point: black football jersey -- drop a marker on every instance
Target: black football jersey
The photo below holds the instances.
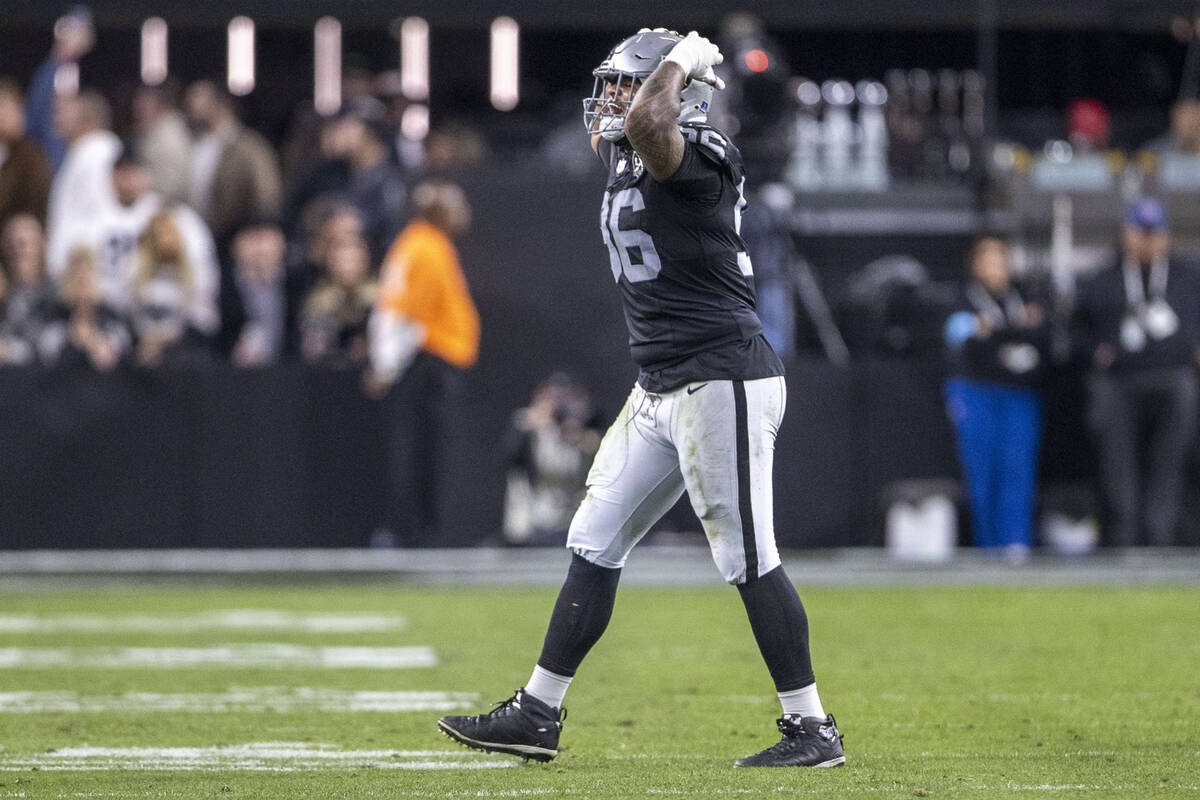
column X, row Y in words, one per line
column 685, row 277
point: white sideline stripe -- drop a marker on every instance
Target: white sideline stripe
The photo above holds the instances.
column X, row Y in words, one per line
column 252, row 757
column 484, row 793
column 686, row 562
column 230, row 619
column 255, row 699
column 240, row 655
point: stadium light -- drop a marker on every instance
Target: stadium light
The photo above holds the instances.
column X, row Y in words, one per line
column 506, row 69
column 154, row 51
column 327, row 66
column 414, row 58
column 414, row 122
column 240, row 66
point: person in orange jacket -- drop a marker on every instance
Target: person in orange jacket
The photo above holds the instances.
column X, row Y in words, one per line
column 423, row 332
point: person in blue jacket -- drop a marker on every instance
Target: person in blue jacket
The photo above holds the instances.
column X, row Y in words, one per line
column 74, row 37
column 997, row 343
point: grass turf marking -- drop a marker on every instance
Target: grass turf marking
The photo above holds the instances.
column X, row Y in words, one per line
column 956, row 664
column 237, row 699
column 250, row 757
column 228, row 619
column 239, row 655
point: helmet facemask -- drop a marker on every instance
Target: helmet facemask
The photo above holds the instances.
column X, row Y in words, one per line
column 612, row 95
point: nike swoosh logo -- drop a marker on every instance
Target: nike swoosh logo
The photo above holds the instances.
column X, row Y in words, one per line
column 694, row 389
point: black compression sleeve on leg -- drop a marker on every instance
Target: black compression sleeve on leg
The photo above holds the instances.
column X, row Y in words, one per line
column 580, row 616
column 780, row 627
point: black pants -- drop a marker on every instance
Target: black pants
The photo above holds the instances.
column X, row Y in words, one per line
column 415, row 414
column 1151, row 412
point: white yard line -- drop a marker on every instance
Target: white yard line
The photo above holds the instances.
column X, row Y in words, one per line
column 252, row 757
column 229, row 619
column 238, row 655
column 237, row 699
column 488, row 793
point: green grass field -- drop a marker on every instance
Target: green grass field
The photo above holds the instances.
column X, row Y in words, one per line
column 942, row 692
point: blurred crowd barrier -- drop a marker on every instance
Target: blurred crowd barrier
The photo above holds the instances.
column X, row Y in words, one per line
column 293, row 456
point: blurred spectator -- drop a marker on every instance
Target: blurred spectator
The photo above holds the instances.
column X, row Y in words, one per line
column 454, row 144
column 549, row 449
column 1184, row 135
column 1088, row 125
column 359, row 165
column 256, row 289
column 1138, row 324
column 408, row 147
column 174, row 300
column 234, row 174
column 302, row 146
column 333, row 324
column 114, row 235
column 86, row 331
column 424, row 329
column 82, row 189
column 27, row 296
column 998, row 343
column 163, row 141
column 768, row 235
column 754, row 105
column 326, row 219
column 24, row 173
column 73, row 39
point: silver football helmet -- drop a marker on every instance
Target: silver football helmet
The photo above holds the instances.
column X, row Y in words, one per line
column 630, row 63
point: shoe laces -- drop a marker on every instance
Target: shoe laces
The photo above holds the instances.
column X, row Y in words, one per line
column 502, row 708
column 793, row 728
column 790, row 727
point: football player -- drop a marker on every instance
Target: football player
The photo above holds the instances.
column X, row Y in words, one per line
column 703, row 415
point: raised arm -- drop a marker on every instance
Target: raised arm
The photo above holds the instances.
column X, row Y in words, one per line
column 652, row 123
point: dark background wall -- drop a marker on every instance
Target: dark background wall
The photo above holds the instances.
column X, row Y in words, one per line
column 293, row 457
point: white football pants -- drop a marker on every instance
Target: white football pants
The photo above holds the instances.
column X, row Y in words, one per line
column 716, row 439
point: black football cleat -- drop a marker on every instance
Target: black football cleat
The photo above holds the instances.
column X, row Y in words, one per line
column 806, row 742
column 521, row 726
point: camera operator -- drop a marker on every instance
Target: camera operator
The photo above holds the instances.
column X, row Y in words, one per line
column 549, row 448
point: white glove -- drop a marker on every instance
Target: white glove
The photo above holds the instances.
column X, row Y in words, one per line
column 697, row 56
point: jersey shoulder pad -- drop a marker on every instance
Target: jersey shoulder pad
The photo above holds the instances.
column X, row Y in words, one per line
column 713, row 145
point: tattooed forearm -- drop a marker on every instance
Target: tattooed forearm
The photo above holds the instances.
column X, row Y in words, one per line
column 651, row 125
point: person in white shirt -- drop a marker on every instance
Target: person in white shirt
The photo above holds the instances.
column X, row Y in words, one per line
column 82, row 187
column 113, row 237
column 164, row 142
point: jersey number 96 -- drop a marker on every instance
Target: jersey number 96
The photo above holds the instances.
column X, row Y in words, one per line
column 630, row 249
